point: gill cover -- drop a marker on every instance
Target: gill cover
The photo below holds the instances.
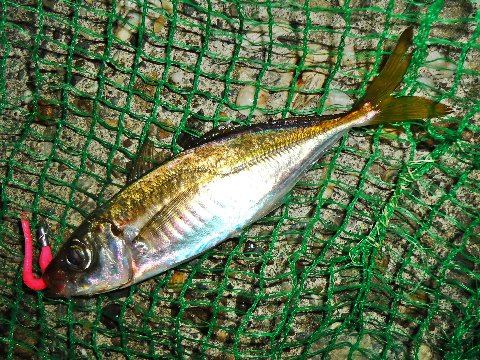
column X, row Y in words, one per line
column 95, row 259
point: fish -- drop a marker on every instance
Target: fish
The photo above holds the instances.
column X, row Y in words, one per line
column 212, row 191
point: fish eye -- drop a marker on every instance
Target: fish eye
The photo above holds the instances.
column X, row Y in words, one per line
column 78, row 256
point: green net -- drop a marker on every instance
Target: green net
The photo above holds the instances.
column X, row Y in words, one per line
column 376, row 253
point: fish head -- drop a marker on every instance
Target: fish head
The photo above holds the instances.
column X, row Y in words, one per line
column 95, row 259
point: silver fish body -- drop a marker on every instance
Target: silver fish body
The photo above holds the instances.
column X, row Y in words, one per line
column 235, row 193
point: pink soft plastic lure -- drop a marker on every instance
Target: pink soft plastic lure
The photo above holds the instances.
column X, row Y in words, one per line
column 45, row 257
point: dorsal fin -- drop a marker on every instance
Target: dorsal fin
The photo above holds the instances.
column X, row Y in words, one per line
column 214, row 134
column 148, row 158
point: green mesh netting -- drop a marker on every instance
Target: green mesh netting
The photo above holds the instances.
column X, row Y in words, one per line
column 376, row 253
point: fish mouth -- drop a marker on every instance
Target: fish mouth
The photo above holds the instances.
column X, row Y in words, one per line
column 57, row 284
column 60, row 286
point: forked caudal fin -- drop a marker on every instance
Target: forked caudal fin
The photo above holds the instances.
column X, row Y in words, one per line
column 391, row 109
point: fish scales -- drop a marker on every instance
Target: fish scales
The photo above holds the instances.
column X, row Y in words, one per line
column 199, row 166
column 234, row 193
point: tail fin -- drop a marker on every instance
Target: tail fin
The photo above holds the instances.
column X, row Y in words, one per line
column 388, row 108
